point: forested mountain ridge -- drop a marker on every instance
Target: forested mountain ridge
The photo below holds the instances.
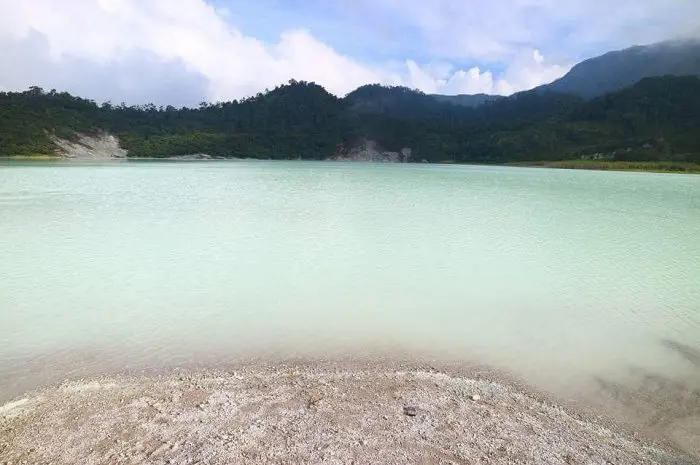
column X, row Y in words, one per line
column 616, row 70
column 468, row 100
column 655, row 119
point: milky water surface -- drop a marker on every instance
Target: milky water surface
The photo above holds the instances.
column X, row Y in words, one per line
column 555, row 275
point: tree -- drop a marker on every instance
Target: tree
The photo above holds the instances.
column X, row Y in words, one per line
column 655, row 119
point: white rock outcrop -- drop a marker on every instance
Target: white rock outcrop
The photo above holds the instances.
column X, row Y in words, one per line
column 100, row 146
column 369, row 150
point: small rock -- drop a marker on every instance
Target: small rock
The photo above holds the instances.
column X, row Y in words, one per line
column 410, row 411
column 475, row 397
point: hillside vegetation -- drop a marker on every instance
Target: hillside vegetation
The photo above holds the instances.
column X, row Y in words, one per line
column 653, row 120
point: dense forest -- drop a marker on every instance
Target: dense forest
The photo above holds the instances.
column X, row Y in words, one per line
column 653, row 120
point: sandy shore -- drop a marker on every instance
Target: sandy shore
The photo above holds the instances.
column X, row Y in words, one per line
column 307, row 413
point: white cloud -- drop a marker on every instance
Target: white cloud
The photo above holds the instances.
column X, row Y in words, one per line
column 421, row 79
column 190, row 34
column 529, row 69
column 471, row 81
column 497, row 30
column 138, row 78
column 183, row 51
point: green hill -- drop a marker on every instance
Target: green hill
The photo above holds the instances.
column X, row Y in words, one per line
column 655, row 119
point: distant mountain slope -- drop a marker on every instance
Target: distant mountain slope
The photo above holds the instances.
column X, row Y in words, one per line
column 616, row 70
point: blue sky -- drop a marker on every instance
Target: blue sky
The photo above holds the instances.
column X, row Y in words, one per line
column 383, row 30
column 342, row 25
column 183, row 51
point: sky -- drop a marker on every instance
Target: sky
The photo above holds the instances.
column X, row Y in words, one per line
column 181, row 52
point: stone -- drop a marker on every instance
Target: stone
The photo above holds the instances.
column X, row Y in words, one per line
column 475, row 397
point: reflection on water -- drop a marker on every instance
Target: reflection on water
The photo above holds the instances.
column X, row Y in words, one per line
column 559, row 276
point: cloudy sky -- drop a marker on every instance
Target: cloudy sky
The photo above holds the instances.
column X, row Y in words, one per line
column 181, row 52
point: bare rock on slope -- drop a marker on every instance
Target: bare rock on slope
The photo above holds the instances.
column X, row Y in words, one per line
column 97, row 147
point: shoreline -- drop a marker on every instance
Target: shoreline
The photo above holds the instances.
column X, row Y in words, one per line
column 303, row 411
column 588, row 165
column 618, row 166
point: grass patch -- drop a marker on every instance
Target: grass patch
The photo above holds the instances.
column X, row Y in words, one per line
column 30, row 156
column 649, row 166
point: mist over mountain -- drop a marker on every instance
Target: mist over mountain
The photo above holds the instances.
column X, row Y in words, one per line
column 619, row 69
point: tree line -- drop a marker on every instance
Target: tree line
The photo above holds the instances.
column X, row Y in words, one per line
column 653, row 120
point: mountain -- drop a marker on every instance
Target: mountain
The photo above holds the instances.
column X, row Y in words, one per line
column 394, row 100
column 616, row 70
column 610, row 72
column 655, row 119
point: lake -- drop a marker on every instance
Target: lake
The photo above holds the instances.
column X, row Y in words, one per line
column 558, row 276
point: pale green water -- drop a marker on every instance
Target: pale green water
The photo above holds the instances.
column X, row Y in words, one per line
column 556, row 275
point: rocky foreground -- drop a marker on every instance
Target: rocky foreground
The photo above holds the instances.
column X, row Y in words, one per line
column 305, row 414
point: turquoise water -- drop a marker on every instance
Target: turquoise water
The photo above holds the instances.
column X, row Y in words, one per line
column 556, row 275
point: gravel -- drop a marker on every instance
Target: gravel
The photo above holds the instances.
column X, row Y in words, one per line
column 289, row 413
